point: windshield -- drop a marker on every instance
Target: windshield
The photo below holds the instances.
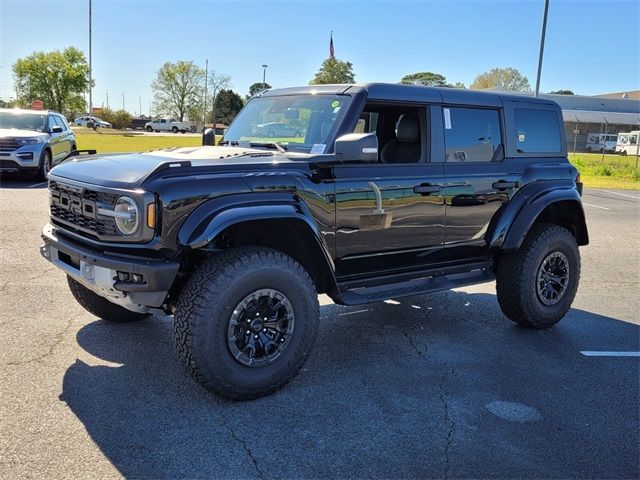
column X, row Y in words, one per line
column 300, row 123
column 22, row 121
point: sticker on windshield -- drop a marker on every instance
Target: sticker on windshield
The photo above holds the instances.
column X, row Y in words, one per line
column 318, row 148
column 447, row 118
column 335, row 104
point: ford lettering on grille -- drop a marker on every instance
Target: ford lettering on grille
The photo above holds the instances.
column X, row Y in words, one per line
column 77, row 209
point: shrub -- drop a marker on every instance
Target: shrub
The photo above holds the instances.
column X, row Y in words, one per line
column 118, row 119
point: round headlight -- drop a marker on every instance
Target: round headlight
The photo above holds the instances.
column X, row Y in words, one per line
column 127, row 215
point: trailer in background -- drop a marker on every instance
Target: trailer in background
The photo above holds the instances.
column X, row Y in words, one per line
column 628, row 143
column 597, row 141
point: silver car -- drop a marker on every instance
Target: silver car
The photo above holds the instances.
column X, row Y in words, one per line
column 98, row 122
column 32, row 141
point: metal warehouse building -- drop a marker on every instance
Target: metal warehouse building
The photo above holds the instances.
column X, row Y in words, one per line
column 599, row 114
column 607, row 113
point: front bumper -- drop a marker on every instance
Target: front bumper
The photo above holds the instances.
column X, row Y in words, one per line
column 99, row 272
column 23, row 159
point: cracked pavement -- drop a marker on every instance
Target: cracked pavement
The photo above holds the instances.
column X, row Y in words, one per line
column 436, row 386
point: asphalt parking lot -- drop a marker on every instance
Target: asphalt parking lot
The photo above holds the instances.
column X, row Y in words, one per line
column 436, row 386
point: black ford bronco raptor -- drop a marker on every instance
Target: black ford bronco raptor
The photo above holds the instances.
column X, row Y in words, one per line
column 378, row 191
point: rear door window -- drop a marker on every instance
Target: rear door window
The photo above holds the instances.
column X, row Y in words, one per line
column 471, row 134
column 537, row 131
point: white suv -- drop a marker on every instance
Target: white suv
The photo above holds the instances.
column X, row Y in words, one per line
column 32, row 141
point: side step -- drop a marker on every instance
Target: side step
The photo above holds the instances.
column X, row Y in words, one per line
column 416, row 286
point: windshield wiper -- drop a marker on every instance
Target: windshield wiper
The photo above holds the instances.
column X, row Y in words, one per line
column 231, row 143
column 277, row 146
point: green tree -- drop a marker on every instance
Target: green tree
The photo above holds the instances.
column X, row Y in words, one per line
column 118, row 119
column 333, row 70
column 508, row 79
column 258, row 87
column 562, row 92
column 227, row 105
column 178, row 86
column 58, row 78
column 428, row 79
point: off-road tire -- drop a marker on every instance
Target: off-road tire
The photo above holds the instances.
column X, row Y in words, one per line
column 101, row 307
column 517, row 272
column 174, row 129
column 205, row 306
column 149, row 129
column 44, row 166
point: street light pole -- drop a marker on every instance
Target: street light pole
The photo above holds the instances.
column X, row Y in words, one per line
column 90, row 80
column 206, row 83
column 542, row 34
column 264, row 73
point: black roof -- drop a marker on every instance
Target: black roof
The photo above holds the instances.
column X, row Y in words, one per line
column 414, row 93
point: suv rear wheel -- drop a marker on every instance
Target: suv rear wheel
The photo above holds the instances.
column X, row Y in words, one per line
column 537, row 284
column 245, row 322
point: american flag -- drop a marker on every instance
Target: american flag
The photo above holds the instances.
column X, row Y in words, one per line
column 331, row 50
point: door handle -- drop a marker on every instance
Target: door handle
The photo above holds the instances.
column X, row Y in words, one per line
column 502, row 185
column 426, row 189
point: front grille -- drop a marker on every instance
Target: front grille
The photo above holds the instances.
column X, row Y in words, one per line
column 8, row 144
column 76, row 209
column 8, row 164
column 80, row 222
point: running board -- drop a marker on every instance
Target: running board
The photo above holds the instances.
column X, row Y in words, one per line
column 418, row 286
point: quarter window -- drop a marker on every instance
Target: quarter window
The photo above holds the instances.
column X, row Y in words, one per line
column 471, row 134
column 537, row 131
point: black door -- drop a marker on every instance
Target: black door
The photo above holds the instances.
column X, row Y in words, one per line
column 479, row 179
column 390, row 214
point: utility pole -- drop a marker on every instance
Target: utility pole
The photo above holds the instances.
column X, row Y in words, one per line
column 122, row 100
column 542, row 34
column 140, row 102
column 107, row 98
column 90, row 79
column 206, row 82
column 264, row 73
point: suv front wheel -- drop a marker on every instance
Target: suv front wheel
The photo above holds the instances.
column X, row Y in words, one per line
column 537, row 284
column 246, row 321
column 45, row 166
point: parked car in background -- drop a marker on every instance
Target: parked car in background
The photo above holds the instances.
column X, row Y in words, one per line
column 628, row 143
column 98, row 122
column 276, row 129
column 137, row 124
column 167, row 125
column 597, row 141
column 32, row 141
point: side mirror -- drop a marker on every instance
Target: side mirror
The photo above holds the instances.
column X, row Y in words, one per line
column 56, row 129
column 359, row 147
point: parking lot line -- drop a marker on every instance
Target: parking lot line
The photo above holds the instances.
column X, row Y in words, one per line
column 37, row 185
column 354, row 312
column 623, row 194
column 588, row 353
column 595, row 206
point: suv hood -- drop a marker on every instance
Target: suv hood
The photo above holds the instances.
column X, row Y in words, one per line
column 130, row 170
column 15, row 133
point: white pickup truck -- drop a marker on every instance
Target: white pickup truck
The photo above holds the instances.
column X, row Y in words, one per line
column 166, row 125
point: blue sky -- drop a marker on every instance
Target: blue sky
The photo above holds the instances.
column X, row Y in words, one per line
column 592, row 46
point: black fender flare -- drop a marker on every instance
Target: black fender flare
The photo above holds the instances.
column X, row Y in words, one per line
column 214, row 216
column 510, row 228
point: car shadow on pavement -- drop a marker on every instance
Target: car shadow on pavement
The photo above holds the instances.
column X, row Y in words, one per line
column 433, row 386
column 18, row 181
